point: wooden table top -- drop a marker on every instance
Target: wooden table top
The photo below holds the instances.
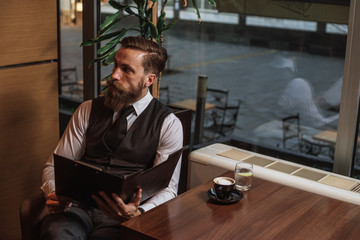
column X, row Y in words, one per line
column 191, row 105
column 268, row 211
column 328, row 136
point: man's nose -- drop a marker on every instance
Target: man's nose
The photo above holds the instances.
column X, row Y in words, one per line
column 116, row 74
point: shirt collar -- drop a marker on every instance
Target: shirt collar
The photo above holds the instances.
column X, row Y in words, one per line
column 141, row 104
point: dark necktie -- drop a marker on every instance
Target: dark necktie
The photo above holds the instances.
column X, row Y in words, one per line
column 118, row 130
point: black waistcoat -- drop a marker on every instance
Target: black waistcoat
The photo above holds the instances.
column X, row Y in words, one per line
column 137, row 150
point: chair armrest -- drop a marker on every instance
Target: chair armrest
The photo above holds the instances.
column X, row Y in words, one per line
column 32, row 212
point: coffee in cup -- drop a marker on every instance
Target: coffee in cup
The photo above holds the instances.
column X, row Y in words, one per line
column 223, row 187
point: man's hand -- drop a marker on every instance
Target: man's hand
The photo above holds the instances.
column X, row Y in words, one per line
column 115, row 208
column 58, row 204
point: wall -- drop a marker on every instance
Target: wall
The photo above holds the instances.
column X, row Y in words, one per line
column 28, row 102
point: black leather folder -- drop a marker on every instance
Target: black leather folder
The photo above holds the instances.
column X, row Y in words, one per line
column 79, row 180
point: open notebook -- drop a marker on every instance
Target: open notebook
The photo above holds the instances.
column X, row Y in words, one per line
column 79, row 180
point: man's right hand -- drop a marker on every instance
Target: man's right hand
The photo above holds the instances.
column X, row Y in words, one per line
column 57, row 203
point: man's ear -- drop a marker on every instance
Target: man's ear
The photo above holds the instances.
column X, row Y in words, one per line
column 150, row 79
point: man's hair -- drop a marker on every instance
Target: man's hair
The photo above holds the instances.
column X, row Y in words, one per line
column 155, row 59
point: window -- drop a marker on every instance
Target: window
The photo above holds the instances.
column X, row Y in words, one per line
column 281, row 60
column 71, row 52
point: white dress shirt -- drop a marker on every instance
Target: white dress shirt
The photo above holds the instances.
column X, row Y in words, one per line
column 72, row 145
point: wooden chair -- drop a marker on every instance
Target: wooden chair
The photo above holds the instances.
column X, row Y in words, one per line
column 216, row 96
column 315, row 148
column 291, row 130
column 302, row 143
column 32, row 211
column 223, row 122
column 69, row 81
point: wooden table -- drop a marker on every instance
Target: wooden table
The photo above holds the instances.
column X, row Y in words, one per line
column 191, row 105
column 268, row 211
column 328, row 136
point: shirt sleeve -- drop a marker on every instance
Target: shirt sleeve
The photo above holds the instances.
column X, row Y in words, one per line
column 71, row 144
column 171, row 139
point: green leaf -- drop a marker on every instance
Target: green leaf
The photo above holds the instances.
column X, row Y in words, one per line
column 196, row 9
column 110, row 26
column 153, row 29
column 131, row 12
column 108, row 46
column 99, row 58
column 158, row 38
column 161, row 22
column 140, row 4
column 112, row 43
column 110, row 57
column 107, row 51
column 212, row 3
column 101, row 37
column 87, row 43
column 170, row 25
column 109, row 20
column 117, row 5
column 146, row 31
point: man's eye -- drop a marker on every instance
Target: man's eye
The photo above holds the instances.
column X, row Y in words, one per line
column 126, row 69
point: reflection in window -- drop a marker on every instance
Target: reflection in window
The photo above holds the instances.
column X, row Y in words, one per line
column 277, row 68
column 71, row 52
column 278, row 65
column 71, row 75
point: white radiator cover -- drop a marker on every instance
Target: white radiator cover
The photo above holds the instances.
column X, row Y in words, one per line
column 276, row 170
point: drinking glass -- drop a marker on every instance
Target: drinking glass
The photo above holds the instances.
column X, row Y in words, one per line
column 243, row 176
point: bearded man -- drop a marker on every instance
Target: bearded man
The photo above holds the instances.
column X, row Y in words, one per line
column 92, row 136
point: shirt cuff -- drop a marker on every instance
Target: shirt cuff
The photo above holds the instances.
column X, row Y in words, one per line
column 147, row 206
column 141, row 210
column 48, row 187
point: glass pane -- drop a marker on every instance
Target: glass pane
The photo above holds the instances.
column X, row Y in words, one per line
column 71, row 81
column 277, row 67
column 71, row 52
column 280, row 68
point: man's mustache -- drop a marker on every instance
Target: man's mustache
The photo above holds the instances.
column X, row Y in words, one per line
column 113, row 84
column 110, row 82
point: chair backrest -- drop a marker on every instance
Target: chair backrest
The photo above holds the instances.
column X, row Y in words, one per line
column 32, row 211
column 291, row 129
column 229, row 118
column 221, row 122
column 185, row 118
column 69, row 75
column 164, row 94
column 219, row 97
column 69, row 81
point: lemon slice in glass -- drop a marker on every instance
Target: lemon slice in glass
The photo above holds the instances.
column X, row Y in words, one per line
column 245, row 174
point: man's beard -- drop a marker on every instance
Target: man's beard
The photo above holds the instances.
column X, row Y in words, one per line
column 117, row 98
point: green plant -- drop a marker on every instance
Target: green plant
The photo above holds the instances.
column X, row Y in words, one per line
column 142, row 10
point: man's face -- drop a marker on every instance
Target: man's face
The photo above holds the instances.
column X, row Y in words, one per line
column 129, row 82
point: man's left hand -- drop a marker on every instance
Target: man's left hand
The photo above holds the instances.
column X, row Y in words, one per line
column 115, row 207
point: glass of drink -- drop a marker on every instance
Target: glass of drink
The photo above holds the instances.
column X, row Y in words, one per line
column 243, row 176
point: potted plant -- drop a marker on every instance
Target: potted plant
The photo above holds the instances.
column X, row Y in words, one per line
column 150, row 26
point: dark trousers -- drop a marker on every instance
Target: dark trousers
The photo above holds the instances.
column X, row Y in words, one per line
column 80, row 223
